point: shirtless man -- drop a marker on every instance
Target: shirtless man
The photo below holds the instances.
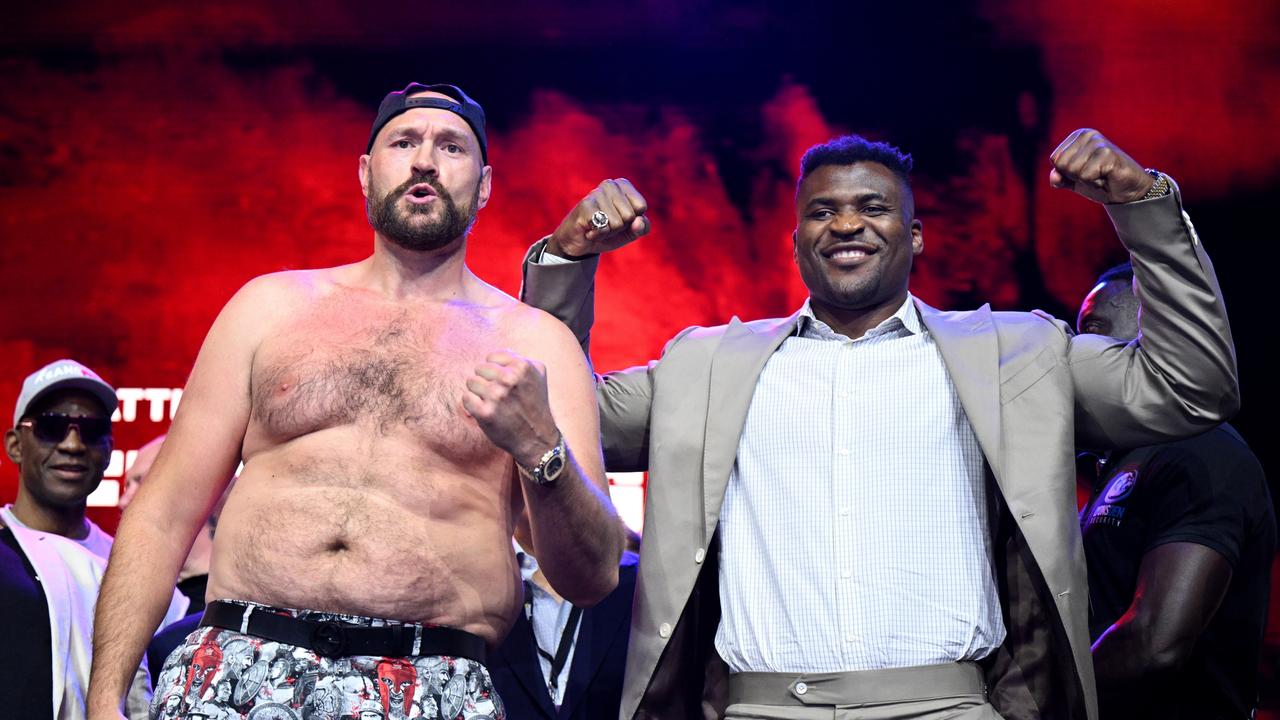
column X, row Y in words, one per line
column 381, row 409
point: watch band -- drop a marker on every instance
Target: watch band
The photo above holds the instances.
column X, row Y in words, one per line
column 1161, row 186
column 549, row 466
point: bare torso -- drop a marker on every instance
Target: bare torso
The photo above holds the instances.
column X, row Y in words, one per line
column 366, row 488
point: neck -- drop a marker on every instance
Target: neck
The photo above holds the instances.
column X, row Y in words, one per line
column 855, row 322
column 434, row 274
column 67, row 522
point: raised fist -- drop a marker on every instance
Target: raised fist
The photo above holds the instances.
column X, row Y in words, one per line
column 507, row 396
column 609, row 217
column 1091, row 165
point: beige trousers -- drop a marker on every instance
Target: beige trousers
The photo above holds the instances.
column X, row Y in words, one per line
column 954, row 691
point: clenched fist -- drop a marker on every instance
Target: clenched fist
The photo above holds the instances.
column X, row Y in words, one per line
column 622, row 210
column 507, row 396
column 1094, row 167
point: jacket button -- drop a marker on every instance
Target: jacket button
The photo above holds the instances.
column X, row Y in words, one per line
column 699, row 555
column 665, row 630
column 801, row 688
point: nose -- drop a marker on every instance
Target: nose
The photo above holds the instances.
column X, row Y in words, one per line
column 72, row 444
column 846, row 223
column 424, row 160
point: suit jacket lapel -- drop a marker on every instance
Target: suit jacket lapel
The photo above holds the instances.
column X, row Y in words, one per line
column 738, row 361
column 522, row 657
column 969, row 348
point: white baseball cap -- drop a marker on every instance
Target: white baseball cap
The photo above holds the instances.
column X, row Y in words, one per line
column 59, row 375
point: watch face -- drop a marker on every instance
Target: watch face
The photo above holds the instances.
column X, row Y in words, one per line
column 552, row 469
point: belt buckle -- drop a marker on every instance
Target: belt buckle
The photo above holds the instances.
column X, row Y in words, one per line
column 328, row 639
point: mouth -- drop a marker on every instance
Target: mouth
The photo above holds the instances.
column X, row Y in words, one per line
column 70, row 471
column 421, row 194
column 849, row 254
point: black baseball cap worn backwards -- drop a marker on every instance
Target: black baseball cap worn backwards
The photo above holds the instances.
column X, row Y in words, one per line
column 460, row 104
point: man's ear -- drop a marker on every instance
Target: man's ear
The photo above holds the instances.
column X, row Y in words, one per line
column 486, row 187
column 917, row 237
column 794, row 259
column 364, row 175
column 13, row 447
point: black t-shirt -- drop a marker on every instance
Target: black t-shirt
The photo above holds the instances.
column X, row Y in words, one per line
column 1208, row 490
column 26, row 660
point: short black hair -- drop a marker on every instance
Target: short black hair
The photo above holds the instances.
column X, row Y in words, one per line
column 850, row 149
column 1122, row 272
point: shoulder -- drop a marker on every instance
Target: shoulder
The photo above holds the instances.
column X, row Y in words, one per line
column 1033, row 321
column 275, row 294
column 48, row 553
column 1221, row 451
column 286, row 285
column 707, row 337
column 535, row 332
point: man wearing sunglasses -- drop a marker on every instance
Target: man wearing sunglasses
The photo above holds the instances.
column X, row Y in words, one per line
column 61, row 443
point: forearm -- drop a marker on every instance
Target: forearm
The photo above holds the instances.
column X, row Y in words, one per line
column 1185, row 336
column 1121, row 654
column 577, row 535
column 136, row 591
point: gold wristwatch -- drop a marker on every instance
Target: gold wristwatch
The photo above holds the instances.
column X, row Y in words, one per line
column 1161, row 186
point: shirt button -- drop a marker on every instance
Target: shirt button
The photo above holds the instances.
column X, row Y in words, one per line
column 844, row 511
column 843, row 451
column 850, row 638
column 801, row 688
column 846, row 574
column 699, row 555
column 665, row 630
column 843, row 394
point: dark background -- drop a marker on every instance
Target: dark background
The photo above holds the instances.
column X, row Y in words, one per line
column 155, row 156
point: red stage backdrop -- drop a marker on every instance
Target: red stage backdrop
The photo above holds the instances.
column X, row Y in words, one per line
column 153, row 158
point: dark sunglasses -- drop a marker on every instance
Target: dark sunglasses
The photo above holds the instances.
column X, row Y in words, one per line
column 53, row 427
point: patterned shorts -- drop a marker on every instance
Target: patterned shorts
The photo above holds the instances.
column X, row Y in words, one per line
column 220, row 674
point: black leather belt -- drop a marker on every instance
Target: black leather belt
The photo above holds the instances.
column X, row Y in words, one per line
column 332, row 639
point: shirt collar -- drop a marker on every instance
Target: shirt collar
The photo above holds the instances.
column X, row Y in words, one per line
column 906, row 317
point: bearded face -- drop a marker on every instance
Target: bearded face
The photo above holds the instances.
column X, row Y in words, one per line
column 420, row 226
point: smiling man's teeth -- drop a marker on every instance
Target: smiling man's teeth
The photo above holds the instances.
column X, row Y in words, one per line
column 849, row 253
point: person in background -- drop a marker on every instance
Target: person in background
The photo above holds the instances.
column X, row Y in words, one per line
column 52, row 557
column 1178, row 538
column 561, row 661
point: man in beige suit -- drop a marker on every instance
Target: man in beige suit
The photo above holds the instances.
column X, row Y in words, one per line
column 866, row 510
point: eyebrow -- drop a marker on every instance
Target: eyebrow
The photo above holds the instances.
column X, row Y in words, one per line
column 870, row 195
column 445, row 133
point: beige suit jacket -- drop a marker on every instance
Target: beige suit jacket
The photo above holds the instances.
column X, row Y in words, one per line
column 1032, row 390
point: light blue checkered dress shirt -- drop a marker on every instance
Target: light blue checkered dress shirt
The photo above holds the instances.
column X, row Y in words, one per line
column 855, row 526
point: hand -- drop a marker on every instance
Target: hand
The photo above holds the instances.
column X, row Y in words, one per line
column 507, row 396
column 626, row 209
column 1094, row 167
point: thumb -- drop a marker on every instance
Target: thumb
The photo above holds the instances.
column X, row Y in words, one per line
column 1058, row 180
column 640, row 226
